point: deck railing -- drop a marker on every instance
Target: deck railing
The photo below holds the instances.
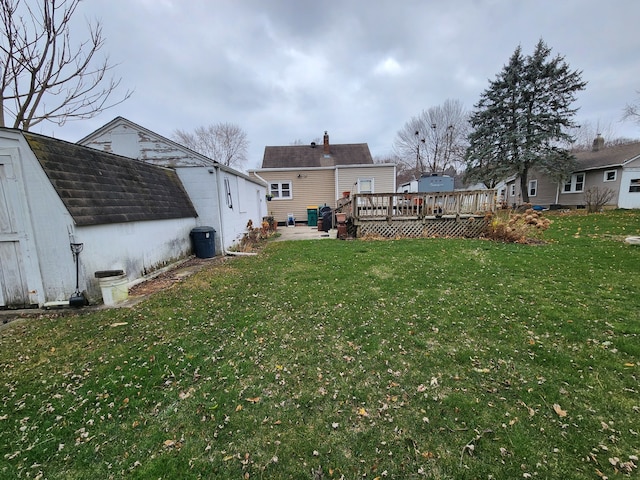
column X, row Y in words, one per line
column 407, row 206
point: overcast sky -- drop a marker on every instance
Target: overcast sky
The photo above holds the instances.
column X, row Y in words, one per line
column 289, row 70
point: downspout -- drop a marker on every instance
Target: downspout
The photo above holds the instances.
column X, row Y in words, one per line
column 557, row 193
column 266, row 183
column 219, row 189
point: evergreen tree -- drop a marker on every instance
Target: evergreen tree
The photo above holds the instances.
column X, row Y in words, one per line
column 522, row 119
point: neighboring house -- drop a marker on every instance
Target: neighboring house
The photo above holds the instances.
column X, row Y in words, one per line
column 616, row 168
column 224, row 198
column 128, row 215
column 302, row 176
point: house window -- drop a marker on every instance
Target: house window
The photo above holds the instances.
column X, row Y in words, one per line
column 574, row 184
column 281, row 190
column 634, row 186
column 533, row 188
column 227, row 191
column 512, row 190
column 610, row 175
column 365, row 185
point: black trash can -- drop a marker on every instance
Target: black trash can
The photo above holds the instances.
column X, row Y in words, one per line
column 203, row 239
column 327, row 218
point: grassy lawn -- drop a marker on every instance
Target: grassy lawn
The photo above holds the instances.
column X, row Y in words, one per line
column 432, row 358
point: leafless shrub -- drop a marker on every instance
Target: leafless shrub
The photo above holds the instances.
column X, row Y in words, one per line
column 595, row 198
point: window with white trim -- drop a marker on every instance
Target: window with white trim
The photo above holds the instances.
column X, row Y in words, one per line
column 281, row 190
column 610, row 176
column 512, row 190
column 634, row 186
column 574, row 184
column 365, row 185
column 533, row 188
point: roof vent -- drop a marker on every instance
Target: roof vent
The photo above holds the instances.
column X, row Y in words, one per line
column 313, row 144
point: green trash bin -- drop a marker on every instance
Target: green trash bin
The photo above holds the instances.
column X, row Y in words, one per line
column 312, row 216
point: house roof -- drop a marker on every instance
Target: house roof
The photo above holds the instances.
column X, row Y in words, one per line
column 310, row 156
column 197, row 158
column 613, row 156
column 100, row 188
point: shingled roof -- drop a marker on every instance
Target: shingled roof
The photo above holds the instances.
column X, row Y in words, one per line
column 313, row 156
column 102, row 188
column 613, row 156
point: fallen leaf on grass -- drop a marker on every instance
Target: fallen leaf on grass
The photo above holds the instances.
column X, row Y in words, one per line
column 362, row 412
column 558, row 409
column 253, row 400
column 171, row 444
column 119, row 324
column 187, row 394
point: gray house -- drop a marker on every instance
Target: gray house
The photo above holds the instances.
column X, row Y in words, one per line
column 224, row 198
column 616, row 168
column 127, row 215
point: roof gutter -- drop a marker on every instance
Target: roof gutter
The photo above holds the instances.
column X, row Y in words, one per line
column 265, row 182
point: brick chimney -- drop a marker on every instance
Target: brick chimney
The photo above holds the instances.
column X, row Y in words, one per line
column 598, row 143
column 326, row 142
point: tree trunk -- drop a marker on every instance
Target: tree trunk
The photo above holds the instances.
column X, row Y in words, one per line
column 524, row 190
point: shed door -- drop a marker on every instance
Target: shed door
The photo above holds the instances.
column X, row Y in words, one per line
column 13, row 282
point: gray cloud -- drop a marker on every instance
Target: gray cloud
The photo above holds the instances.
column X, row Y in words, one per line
column 288, row 70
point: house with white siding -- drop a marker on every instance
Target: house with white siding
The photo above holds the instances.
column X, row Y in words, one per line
column 55, row 196
column 224, row 198
column 300, row 177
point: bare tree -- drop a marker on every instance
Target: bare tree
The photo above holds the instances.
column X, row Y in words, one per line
column 596, row 198
column 584, row 134
column 632, row 111
column 435, row 140
column 43, row 77
column 225, row 143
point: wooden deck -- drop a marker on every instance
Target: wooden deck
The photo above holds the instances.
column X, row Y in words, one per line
column 419, row 214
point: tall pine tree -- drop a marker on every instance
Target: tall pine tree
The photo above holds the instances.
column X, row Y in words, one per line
column 522, row 119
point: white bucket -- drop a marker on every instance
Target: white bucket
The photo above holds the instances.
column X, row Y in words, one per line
column 114, row 289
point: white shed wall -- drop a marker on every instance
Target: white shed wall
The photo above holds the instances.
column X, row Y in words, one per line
column 240, row 201
column 628, row 199
column 46, row 230
column 222, row 197
column 138, row 248
column 129, row 142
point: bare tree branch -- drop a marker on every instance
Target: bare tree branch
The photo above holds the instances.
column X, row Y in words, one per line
column 632, row 111
column 435, row 140
column 225, row 143
column 43, row 76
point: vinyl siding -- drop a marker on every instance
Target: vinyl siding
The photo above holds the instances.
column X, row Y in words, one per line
column 313, row 187
column 384, row 178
